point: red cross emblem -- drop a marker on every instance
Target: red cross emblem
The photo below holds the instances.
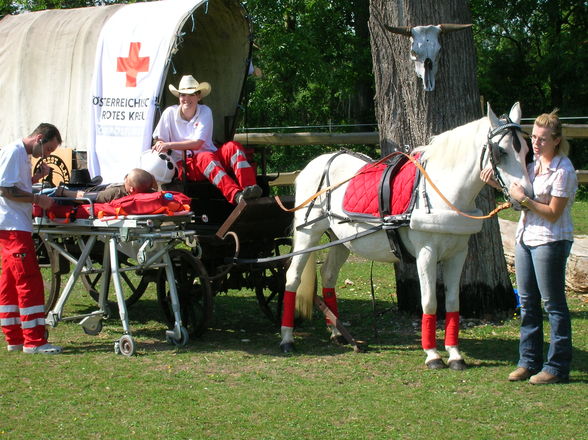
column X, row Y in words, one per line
column 133, row 64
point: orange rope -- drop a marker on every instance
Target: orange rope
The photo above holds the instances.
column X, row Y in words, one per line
column 421, row 169
column 334, row 186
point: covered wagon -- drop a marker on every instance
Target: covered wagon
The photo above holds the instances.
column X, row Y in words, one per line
column 100, row 74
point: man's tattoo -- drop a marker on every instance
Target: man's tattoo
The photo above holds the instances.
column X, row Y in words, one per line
column 14, row 192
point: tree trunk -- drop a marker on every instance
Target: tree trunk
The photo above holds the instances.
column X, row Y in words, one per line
column 407, row 115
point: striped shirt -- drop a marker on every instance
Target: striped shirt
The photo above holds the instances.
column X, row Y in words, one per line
column 559, row 180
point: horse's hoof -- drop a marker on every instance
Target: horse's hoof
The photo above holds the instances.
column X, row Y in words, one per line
column 435, row 364
column 339, row 340
column 287, row 347
column 457, row 365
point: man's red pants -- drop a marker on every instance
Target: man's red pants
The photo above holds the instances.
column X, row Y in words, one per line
column 22, row 310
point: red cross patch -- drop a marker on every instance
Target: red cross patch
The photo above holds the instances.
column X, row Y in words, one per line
column 133, row 64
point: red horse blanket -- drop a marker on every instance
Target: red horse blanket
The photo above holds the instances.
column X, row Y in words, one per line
column 362, row 194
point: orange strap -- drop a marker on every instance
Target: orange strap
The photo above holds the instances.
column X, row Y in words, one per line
column 51, row 216
column 334, row 186
column 421, row 169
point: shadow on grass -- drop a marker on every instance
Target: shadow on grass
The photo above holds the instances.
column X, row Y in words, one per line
column 497, row 351
column 239, row 325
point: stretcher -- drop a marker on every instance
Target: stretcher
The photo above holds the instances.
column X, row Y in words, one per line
column 146, row 239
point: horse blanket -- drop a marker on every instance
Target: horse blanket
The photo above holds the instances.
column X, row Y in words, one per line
column 365, row 191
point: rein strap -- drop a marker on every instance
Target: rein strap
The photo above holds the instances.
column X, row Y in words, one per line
column 421, row 169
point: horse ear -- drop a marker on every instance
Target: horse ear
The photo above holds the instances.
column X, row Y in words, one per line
column 494, row 121
column 516, row 113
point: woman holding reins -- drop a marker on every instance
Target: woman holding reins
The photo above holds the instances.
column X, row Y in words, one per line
column 543, row 241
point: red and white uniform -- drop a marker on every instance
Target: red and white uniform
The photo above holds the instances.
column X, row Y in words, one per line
column 22, row 311
column 226, row 167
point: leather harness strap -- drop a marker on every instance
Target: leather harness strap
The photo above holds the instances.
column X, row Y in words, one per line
column 419, row 167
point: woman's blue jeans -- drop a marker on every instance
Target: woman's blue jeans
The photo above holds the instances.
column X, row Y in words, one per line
column 540, row 272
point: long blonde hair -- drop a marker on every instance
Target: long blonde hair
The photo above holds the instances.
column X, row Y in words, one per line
column 552, row 121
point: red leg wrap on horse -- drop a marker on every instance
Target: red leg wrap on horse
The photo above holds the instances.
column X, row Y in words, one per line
column 451, row 328
column 428, row 328
column 330, row 298
column 289, row 309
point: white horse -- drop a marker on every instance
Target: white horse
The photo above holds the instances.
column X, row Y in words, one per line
column 436, row 233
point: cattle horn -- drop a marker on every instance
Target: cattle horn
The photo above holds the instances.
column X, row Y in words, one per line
column 453, row 27
column 402, row 30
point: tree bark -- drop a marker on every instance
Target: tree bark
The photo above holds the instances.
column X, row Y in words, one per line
column 407, row 115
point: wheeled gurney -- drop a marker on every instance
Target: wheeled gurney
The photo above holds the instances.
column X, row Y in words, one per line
column 146, row 239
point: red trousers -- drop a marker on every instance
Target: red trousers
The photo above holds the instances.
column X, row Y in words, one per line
column 22, row 309
column 227, row 168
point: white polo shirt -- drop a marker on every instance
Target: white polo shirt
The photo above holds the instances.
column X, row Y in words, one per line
column 559, row 180
column 15, row 171
column 173, row 128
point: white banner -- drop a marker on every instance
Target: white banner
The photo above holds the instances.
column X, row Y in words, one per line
column 131, row 56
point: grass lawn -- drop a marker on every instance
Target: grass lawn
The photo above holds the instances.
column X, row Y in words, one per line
column 234, row 384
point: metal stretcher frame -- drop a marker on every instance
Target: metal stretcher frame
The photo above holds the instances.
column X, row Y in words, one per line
column 153, row 235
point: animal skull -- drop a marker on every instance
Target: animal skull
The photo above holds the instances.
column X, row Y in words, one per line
column 425, row 48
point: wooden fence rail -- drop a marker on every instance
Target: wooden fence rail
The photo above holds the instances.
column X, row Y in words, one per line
column 570, row 131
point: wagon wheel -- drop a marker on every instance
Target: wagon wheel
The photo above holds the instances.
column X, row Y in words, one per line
column 270, row 282
column 194, row 292
column 55, row 266
column 136, row 289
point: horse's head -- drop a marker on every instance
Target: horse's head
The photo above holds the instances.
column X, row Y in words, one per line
column 506, row 151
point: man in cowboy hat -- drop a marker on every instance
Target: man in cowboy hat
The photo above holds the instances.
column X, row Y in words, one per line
column 188, row 127
column 22, row 298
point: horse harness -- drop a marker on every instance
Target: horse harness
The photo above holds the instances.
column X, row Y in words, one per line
column 495, row 151
column 386, row 221
column 391, row 223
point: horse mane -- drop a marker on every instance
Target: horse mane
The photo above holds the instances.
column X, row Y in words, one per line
column 453, row 147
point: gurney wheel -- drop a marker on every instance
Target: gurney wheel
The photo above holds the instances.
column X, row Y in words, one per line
column 184, row 338
column 92, row 325
column 125, row 346
column 194, row 292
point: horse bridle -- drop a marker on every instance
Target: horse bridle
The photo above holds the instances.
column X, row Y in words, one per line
column 495, row 150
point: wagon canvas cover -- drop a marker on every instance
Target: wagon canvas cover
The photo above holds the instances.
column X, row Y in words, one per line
column 100, row 74
column 131, row 54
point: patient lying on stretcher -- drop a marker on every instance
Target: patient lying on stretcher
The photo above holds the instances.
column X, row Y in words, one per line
column 135, row 182
column 137, row 195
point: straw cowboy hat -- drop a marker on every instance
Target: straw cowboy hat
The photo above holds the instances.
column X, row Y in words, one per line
column 189, row 86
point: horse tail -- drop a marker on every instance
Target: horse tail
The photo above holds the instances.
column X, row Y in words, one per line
column 307, row 289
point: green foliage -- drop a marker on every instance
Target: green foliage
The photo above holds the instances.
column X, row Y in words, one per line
column 312, row 59
column 531, row 51
column 316, row 64
column 39, row 5
column 6, row 8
